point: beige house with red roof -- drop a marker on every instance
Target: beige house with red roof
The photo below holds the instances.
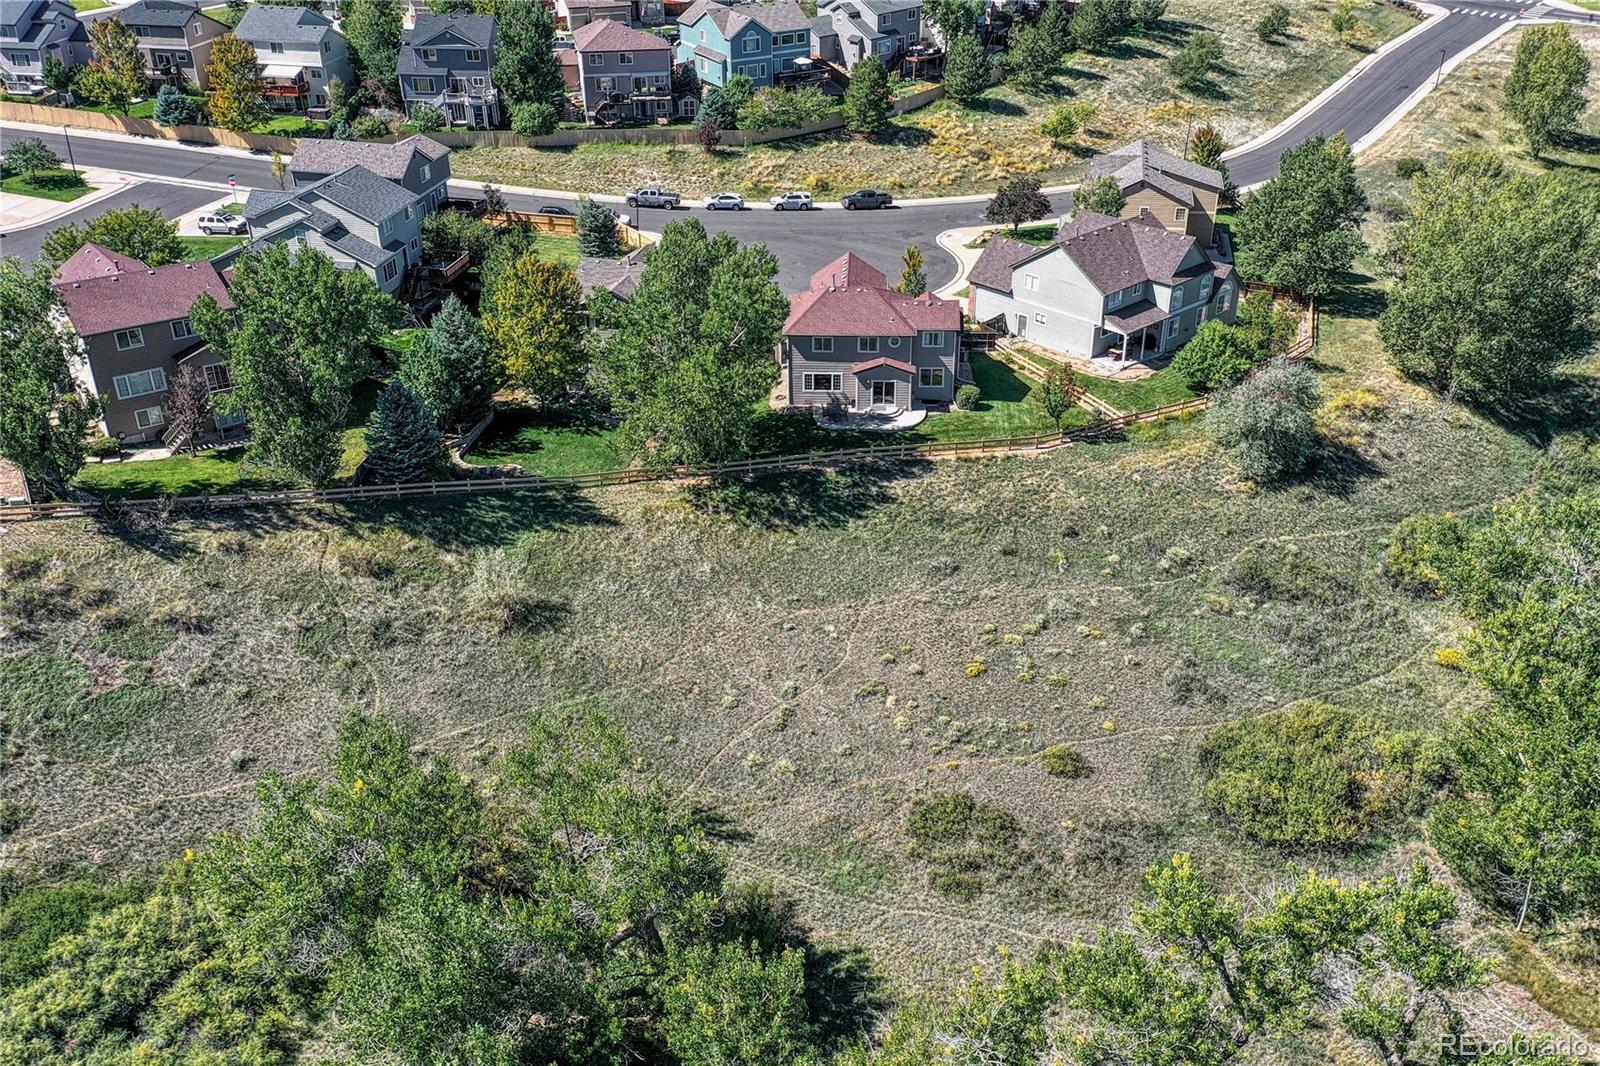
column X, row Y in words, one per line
column 851, row 339
column 134, row 333
column 624, row 74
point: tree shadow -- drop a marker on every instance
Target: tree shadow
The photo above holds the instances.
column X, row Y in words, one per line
column 996, row 106
column 1080, row 74
column 1565, row 404
column 814, row 498
column 169, row 531
column 1337, row 469
column 1126, row 49
column 486, row 521
column 844, row 994
column 719, row 825
column 1356, row 297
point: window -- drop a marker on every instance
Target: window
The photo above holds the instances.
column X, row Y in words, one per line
column 703, row 68
column 389, row 270
column 422, row 85
column 141, row 31
column 478, row 82
column 182, row 58
column 821, row 382
column 198, row 29
column 429, row 54
column 182, row 328
column 129, row 338
column 22, row 59
column 327, row 46
column 163, row 59
column 1144, row 211
column 149, row 418
column 413, row 244
column 885, row 21
column 408, row 212
column 1224, row 297
column 1031, row 282
column 474, row 56
column 218, row 377
column 140, row 383
column 933, row 377
column 625, row 59
column 894, row 342
column 1180, row 214
column 822, row 344
column 1205, row 288
column 1172, row 326
column 932, row 338
column 1037, row 317
column 866, row 344
column 752, row 43
column 1177, row 296
column 1115, row 299
column 316, row 72
column 277, row 49
column 318, row 100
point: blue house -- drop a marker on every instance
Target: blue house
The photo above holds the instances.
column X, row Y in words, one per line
column 761, row 40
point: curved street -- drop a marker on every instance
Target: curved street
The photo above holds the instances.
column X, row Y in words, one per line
column 176, row 178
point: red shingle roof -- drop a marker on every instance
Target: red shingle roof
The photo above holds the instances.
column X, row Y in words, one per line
column 93, row 261
column 609, row 35
column 851, row 298
column 139, row 297
column 873, row 364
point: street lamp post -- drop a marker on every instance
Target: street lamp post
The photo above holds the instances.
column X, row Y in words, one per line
column 1440, row 75
column 68, row 138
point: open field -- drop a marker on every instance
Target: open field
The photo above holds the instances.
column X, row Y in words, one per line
column 804, row 654
column 944, row 149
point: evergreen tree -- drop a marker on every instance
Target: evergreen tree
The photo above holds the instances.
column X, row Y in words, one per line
column 913, row 282
column 451, row 371
column 1302, row 230
column 1206, row 146
column 175, row 108
column 1101, row 195
column 866, row 101
column 966, row 69
column 237, row 101
column 1033, row 59
column 403, row 443
column 525, row 69
column 1098, row 24
column 1544, row 92
column 717, row 110
column 597, row 230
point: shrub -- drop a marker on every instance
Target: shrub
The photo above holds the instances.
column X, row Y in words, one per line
column 1451, row 658
column 534, row 120
column 1198, row 60
column 967, row 397
column 1274, row 24
column 1219, row 355
column 771, row 108
column 101, row 446
column 1409, row 166
column 1065, row 123
column 1314, row 774
column 366, row 127
column 1392, row 209
column 1148, row 14
column 499, row 599
column 1420, row 549
column 427, row 118
column 709, row 134
column 963, row 841
column 1064, row 760
column 1284, row 573
column 1265, row 422
column 1269, row 327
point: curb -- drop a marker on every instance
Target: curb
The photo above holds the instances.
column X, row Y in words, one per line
column 66, row 207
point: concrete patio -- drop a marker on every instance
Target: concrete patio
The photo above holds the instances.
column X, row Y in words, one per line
column 887, row 421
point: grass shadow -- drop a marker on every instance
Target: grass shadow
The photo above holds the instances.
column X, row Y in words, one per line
column 1336, row 469
column 488, row 521
column 801, row 499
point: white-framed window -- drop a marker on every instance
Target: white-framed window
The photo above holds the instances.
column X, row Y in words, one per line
column 822, row 344
column 316, row 72
column 1172, row 326
column 1224, row 297
column 149, row 418
column 218, row 377
column 1177, row 296
column 163, row 59
column 182, row 328
column 140, row 383
column 474, row 56
column 1205, row 288
column 128, row 339
column 198, row 29
column 182, row 58
column 886, row 46
column 1031, row 282
column 426, row 168
column 429, row 54
column 894, row 342
column 625, row 59
column 885, row 21
column 1180, row 214
column 1144, row 211
column 1037, row 317
column 423, row 85
column 276, row 48
column 932, row 338
column 933, row 377
column 1115, row 299
column 390, row 270
column 866, row 344
column 408, row 212
column 477, row 83
column 413, row 244
column 752, row 43
column 703, row 67
column 607, row 84
column 822, row 382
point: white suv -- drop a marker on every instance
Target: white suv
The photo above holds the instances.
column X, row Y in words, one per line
column 792, row 201
column 210, row 224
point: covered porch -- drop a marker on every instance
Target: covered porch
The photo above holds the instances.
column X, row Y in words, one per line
column 284, row 87
column 1139, row 328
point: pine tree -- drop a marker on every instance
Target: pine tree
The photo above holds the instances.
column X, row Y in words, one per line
column 403, row 444
column 913, row 282
column 866, row 102
column 450, row 371
column 175, row 108
column 597, row 230
column 966, row 69
column 237, row 102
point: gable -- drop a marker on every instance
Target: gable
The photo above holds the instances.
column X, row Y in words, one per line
column 446, row 39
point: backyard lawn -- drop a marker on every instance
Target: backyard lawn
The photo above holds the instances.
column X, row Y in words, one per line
column 1160, row 389
column 208, row 247
column 81, row 6
column 46, row 184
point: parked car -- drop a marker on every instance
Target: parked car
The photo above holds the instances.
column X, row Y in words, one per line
column 725, row 201
column 866, row 199
column 653, row 196
column 213, row 224
column 554, row 209
column 792, row 201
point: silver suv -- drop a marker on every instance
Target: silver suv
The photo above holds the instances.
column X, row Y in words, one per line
column 211, row 224
column 792, row 201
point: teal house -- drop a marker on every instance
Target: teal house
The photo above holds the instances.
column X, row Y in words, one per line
column 762, row 40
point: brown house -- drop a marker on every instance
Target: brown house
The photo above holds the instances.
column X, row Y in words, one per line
column 134, row 333
column 1180, row 195
column 175, row 39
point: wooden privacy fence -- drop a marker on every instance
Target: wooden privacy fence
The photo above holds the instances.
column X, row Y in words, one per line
column 143, row 127
column 563, row 226
column 996, row 447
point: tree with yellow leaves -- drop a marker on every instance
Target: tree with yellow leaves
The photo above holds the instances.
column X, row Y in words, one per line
column 534, row 319
column 237, row 102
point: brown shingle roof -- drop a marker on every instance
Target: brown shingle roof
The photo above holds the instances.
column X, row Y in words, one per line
column 139, row 297
column 93, row 261
column 1000, row 256
column 1120, row 252
column 328, row 156
column 1143, row 161
column 850, row 298
column 609, row 35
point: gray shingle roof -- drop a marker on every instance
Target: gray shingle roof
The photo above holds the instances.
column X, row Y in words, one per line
column 1143, row 161
column 1000, row 256
column 617, row 276
column 170, row 13
column 327, row 156
column 362, row 193
column 479, row 29
column 1118, row 252
column 784, row 16
column 272, row 22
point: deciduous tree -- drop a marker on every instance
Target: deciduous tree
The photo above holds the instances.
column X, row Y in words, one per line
column 117, row 74
column 534, row 318
column 1219, row 355
column 1302, row 230
column 43, row 419
column 1059, row 392
column 187, row 406
column 1067, row 121
column 237, row 101
column 1017, row 201
column 30, row 155
column 1101, row 195
column 300, row 340
column 525, row 69
column 373, row 29
column 954, row 19
column 1545, row 90
column 1265, row 423
column 140, row 232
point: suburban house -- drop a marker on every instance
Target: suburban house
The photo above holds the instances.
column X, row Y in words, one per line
column 1180, row 195
column 418, row 164
column 861, row 28
column 852, row 340
column 619, row 277
column 1119, row 288
column 359, row 220
column 764, row 41
column 626, row 74
column 134, row 334
column 577, row 14
column 445, row 62
column 300, row 52
column 33, row 31
column 175, row 39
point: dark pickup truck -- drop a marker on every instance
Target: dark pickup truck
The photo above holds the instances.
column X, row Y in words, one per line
column 866, row 199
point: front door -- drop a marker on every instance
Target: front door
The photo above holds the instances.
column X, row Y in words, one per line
column 1022, row 325
column 882, row 393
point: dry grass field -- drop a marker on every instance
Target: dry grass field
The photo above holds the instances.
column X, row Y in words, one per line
column 946, row 150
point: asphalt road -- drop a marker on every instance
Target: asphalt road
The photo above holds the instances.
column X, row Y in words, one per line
column 805, row 241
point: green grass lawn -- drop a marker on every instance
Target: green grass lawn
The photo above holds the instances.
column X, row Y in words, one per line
column 403, row 340
column 142, row 109
column 88, row 5
column 61, row 185
column 549, row 442
column 207, row 247
column 563, row 250
column 293, row 126
column 234, row 208
column 1159, row 390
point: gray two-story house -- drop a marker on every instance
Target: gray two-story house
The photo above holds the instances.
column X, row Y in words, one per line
column 624, row 74
column 1114, row 288
column 445, row 62
column 299, row 52
column 175, row 39
column 419, row 164
column 134, row 333
column 32, row 31
column 359, row 220
column 762, row 41
column 861, row 28
column 852, row 340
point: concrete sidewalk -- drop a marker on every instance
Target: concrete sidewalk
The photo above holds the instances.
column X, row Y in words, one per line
column 18, row 212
